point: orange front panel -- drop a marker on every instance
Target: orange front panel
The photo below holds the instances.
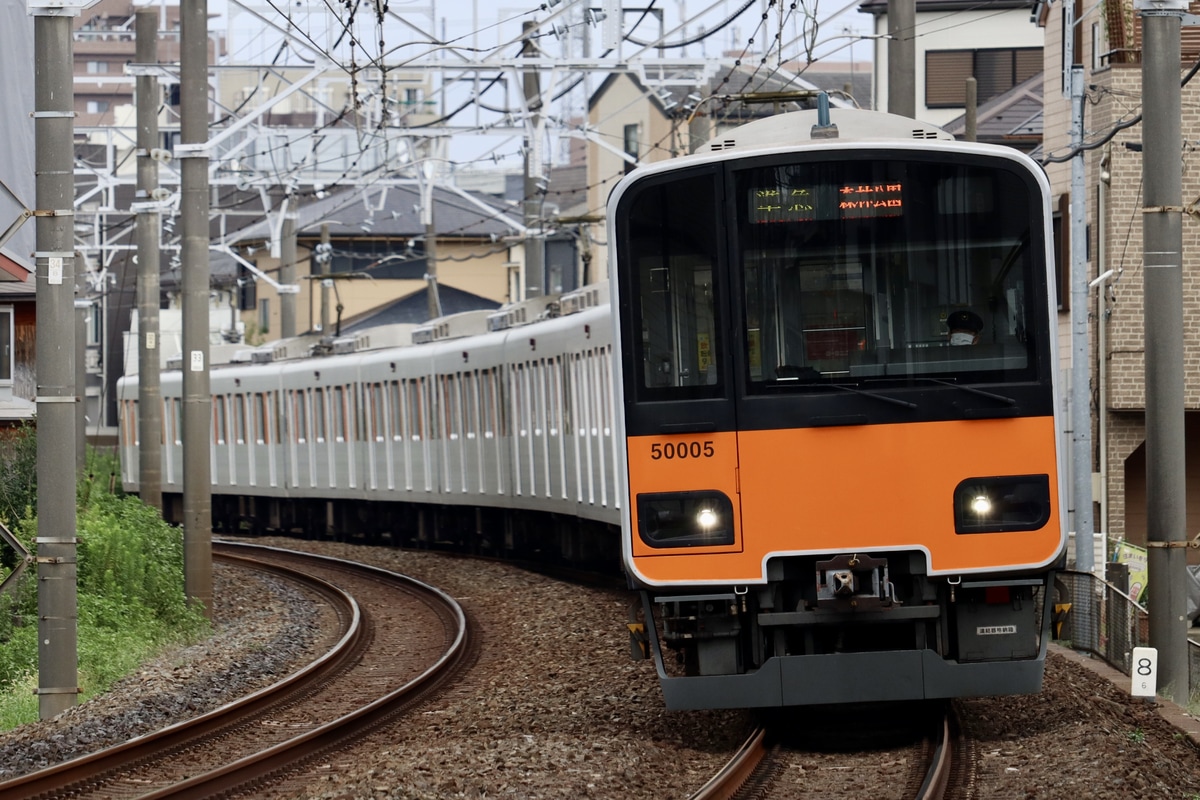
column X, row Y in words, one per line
column 679, row 464
column 873, row 487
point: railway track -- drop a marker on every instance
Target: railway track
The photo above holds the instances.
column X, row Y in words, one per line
column 761, row 770
column 399, row 641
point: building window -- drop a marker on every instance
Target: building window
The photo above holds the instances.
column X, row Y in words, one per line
column 97, row 106
column 631, row 147
column 6, row 345
column 95, row 325
column 97, row 67
column 995, row 72
column 264, row 315
column 247, row 289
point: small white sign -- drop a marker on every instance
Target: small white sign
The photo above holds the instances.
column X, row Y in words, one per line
column 54, row 269
column 197, row 361
column 1144, row 672
column 151, row 340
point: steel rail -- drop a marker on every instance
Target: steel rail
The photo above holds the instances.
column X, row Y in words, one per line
column 937, row 778
column 726, row 783
column 88, row 768
column 258, row 767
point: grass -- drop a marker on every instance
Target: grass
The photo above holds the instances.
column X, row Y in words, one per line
column 130, row 597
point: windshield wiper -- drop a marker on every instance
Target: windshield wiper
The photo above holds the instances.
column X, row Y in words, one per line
column 893, row 400
column 1010, row 401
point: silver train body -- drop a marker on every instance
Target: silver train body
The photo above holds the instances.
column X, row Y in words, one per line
column 453, row 438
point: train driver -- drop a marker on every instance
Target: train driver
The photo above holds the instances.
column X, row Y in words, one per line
column 964, row 327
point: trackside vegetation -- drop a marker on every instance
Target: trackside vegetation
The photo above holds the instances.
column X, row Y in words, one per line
column 130, row 576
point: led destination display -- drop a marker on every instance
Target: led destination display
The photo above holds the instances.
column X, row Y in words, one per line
column 826, row 202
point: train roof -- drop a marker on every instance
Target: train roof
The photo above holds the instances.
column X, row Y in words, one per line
column 852, row 124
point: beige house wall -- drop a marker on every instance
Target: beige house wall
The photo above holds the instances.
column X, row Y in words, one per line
column 475, row 268
column 1114, row 213
column 623, row 103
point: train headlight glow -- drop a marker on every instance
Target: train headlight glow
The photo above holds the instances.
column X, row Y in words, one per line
column 685, row 519
column 1002, row 503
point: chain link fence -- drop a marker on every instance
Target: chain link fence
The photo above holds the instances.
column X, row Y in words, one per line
column 1099, row 617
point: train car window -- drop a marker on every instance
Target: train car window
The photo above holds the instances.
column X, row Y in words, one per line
column 521, row 400
column 472, row 402
column 378, row 417
column 261, row 434
column 338, row 414
column 451, row 406
column 176, row 416
column 239, row 418
column 395, row 411
column 879, row 268
column 320, row 419
column 464, row 404
column 426, row 422
column 487, row 395
column 580, row 416
column 605, row 367
column 553, row 396
column 219, row 419
column 412, row 427
column 300, row 406
column 129, row 422
column 669, row 235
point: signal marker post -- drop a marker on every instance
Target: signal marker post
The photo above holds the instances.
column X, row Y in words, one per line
column 1144, row 673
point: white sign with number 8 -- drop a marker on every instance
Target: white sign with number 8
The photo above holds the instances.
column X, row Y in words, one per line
column 1144, row 672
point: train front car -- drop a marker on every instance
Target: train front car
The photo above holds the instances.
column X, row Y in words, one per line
column 838, row 410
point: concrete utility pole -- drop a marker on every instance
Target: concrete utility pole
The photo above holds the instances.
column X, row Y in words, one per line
column 432, row 295
column 197, row 400
column 148, row 227
column 287, row 271
column 902, row 57
column 54, row 129
column 1162, row 234
column 971, row 129
column 430, row 174
column 324, row 258
column 1081, row 362
column 534, row 256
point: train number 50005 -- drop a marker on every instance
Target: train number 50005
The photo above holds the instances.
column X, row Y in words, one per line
column 682, row 450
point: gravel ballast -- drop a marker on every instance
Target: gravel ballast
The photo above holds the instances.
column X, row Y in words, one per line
column 554, row 708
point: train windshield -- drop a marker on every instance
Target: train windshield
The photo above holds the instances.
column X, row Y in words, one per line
column 887, row 268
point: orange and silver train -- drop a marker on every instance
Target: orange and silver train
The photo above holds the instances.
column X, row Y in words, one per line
column 813, row 406
column 836, row 347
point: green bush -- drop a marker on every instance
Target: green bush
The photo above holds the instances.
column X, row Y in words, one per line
column 18, row 476
column 130, row 597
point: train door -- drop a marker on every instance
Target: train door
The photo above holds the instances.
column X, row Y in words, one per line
column 680, row 419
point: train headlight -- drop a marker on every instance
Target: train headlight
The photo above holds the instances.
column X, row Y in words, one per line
column 685, row 519
column 1002, row 503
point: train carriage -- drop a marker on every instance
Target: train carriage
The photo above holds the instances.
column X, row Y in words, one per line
column 816, row 420
column 828, row 499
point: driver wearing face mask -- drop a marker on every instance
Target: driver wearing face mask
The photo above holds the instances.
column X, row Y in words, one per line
column 964, row 327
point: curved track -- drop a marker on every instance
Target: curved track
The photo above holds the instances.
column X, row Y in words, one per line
column 400, row 639
column 757, row 769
